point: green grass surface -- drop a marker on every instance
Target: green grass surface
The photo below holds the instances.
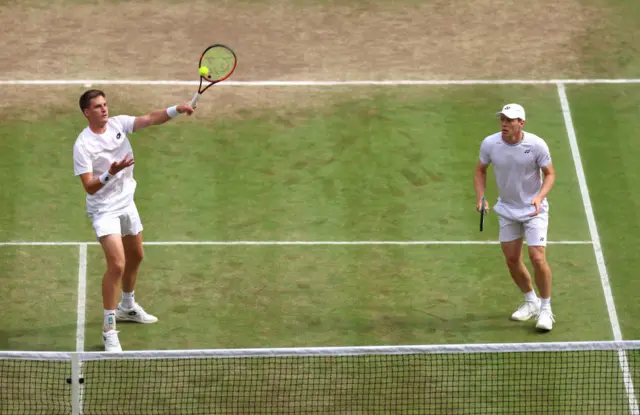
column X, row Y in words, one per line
column 39, row 306
column 261, row 296
column 606, row 123
column 610, row 47
column 395, row 166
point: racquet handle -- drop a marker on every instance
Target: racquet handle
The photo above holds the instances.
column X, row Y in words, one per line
column 195, row 99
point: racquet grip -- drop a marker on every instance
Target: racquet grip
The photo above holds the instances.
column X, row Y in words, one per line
column 195, row 99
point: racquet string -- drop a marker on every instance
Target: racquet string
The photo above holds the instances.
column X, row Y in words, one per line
column 220, row 62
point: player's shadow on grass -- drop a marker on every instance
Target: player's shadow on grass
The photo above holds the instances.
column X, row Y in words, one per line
column 477, row 323
column 47, row 338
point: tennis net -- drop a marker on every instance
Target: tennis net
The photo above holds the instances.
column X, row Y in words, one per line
column 522, row 378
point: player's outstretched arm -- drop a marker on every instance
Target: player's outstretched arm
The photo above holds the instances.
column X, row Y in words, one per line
column 161, row 116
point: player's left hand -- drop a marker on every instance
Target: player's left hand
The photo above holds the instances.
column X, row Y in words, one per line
column 536, row 202
column 185, row 109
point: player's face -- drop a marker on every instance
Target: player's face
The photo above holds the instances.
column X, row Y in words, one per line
column 98, row 111
column 510, row 127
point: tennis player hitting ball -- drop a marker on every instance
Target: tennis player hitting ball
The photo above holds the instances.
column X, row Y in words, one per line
column 103, row 158
column 518, row 158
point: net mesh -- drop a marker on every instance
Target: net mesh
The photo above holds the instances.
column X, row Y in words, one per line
column 591, row 380
column 35, row 387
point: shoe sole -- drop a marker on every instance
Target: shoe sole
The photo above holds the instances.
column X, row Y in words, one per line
column 135, row 320
column 525, row 319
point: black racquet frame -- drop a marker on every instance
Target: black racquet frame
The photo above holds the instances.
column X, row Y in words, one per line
column 208, row 79
column 482, row 211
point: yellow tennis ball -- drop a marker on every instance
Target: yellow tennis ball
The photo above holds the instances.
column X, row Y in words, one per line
column 204, row 71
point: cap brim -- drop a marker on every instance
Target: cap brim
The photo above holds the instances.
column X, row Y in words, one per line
column 509, row 116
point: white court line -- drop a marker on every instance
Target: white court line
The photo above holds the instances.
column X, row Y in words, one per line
column 586, row 200
column 77, row 391
column 392, row 82
column 82, row 296
column 64, row 243
column 597, row 247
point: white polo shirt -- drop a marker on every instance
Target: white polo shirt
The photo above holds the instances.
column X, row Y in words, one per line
column 95, row 153
column 518, row 173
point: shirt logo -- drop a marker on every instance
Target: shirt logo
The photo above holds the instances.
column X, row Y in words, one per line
column 527, row 151
column 118, row 136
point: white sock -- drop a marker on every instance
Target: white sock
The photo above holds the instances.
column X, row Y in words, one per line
column 127, row 300
column 530, row 296
column 109, row 320
column 546, row 303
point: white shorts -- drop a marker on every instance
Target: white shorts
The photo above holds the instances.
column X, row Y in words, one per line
column 121, row 222
column 533, row 229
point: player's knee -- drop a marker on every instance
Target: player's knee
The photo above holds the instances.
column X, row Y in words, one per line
column 513, row 262
column 135, row 256
column 115, row 267
column 537, row 256
column 512, row 251
column 513, row 259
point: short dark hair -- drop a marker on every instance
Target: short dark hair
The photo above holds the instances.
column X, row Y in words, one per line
column 86, row 98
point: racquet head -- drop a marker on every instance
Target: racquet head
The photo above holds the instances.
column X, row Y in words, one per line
column 221, row 61
column 482, row 212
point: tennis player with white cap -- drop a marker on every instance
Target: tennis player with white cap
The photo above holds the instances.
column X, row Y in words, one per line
column 519, row 157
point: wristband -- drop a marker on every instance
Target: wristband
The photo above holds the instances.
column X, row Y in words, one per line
column 172, row 111
column 105, row 177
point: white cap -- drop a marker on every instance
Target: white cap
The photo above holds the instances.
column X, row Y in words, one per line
column 512, row 111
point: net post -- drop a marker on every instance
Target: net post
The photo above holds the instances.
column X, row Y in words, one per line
column 75, row 384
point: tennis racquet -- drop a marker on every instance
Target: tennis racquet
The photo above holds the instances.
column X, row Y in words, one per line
column 482, row 212
column 221, row 61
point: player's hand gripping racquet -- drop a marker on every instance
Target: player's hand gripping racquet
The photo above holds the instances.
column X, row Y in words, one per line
column 220, row 62
column 482, row 213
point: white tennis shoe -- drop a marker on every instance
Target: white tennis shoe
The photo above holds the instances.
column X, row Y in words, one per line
column 110, row 341
column 527, row 311
column 135, row 314
column 545, row 320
